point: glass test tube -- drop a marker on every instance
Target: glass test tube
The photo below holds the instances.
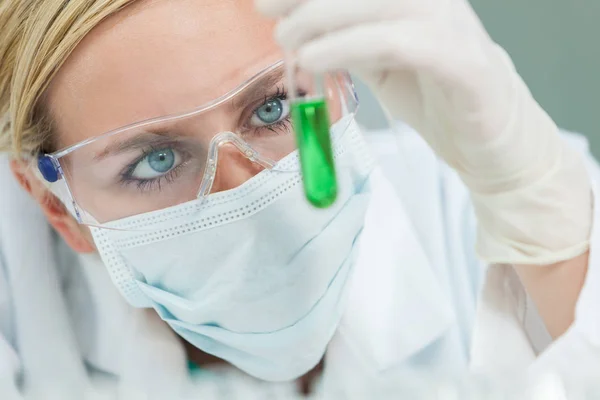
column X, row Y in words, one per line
column 310, row 117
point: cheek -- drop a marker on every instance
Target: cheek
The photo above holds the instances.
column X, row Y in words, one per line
column 335, row 108
column 334, row 100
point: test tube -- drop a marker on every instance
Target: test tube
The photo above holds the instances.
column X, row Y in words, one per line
column 310, row 118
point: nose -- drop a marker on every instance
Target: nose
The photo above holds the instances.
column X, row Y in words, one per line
column 233, row 169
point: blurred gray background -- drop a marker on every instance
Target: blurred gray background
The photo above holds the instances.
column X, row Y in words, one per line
column 556, row 47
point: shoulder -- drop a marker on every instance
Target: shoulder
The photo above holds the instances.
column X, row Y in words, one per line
column 404, row 156
column 418, row 175
column 435, row 198
column 402, row 140
column 23, row 228
column 440, row 210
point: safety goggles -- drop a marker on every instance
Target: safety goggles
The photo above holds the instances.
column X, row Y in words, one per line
column 166, row 161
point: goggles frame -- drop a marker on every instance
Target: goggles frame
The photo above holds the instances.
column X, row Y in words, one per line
column 49, row 167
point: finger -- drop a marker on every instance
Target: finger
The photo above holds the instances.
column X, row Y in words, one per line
column 275, row 8
column 313, row 18
column 380, row 46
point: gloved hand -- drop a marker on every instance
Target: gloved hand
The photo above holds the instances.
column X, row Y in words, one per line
column 432, row 64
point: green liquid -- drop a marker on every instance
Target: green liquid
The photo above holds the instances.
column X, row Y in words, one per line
column 311, row 123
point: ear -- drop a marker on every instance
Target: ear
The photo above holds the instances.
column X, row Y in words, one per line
column 77, row 236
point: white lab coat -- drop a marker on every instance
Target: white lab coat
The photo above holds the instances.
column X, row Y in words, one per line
column 412, row 302
column 403, row 328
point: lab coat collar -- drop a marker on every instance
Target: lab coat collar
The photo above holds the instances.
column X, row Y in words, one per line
column 396, row 306
column 46, row 344
column 131, row 343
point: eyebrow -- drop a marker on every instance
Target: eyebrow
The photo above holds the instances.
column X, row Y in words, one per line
column 144, row 139
column 255, row 90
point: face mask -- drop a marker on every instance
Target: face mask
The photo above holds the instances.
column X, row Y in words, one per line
column 254, row 275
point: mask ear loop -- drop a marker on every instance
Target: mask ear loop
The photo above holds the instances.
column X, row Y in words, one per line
column 210, row 169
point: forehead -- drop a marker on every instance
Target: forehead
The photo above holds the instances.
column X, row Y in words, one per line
column 155, row 58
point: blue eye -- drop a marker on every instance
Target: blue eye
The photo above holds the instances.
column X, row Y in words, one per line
column 161, row 160
column 155, row 164
column 273, row 111
column 270, row 112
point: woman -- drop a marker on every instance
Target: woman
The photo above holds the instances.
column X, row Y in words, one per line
column 157, row 136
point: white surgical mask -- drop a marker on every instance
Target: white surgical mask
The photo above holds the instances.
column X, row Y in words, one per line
column 254, row 275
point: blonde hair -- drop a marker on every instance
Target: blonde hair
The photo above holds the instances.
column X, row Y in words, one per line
column 36, row 38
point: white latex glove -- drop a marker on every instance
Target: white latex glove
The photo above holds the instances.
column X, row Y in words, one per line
column 432, row 64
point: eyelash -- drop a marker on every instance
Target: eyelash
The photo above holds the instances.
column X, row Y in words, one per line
column 285, row 124
column 144, row 185
column 153, row 183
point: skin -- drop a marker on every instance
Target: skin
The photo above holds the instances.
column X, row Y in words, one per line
column 158, row 65
column 165, row 57
column 555, row 290
column 169, row 57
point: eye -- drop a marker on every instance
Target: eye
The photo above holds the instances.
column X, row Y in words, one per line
column 273, row 111
column 156, row 163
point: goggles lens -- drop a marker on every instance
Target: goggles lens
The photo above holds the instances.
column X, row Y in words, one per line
column 171, row 160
